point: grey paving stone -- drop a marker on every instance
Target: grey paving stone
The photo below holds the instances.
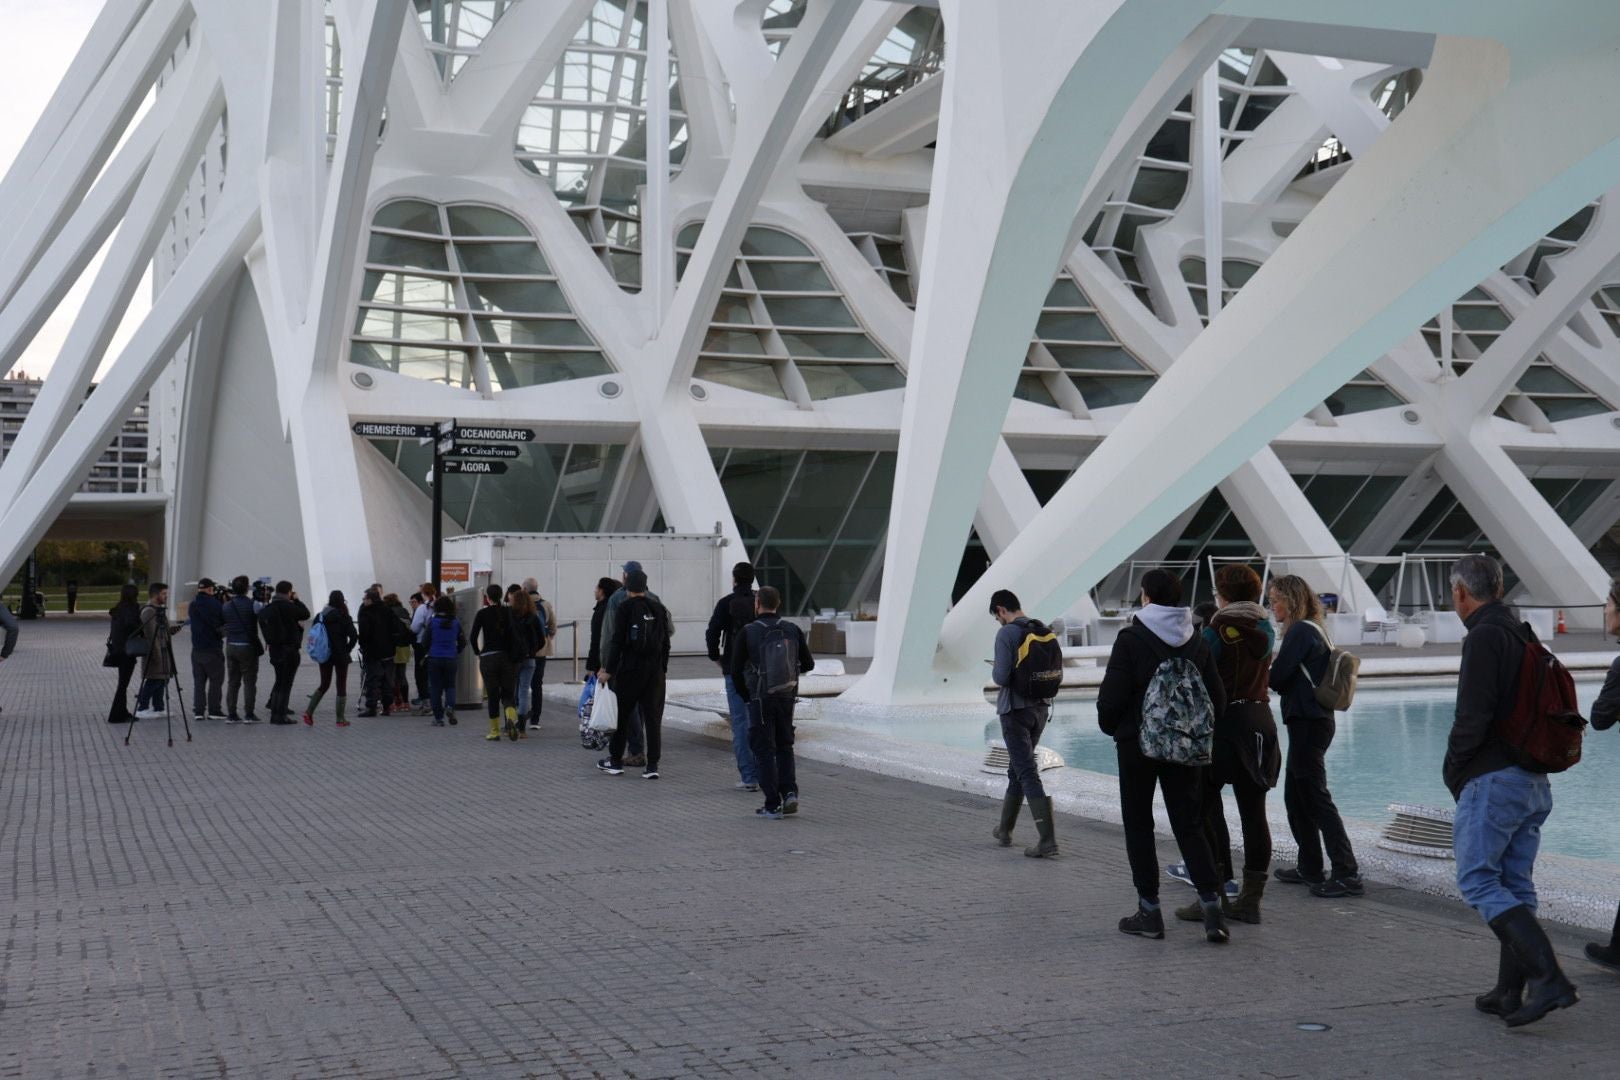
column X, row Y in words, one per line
column 394, row 900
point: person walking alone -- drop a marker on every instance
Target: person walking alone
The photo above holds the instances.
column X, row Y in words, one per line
column 442, row 641
column 635, row 670
column 732, row 613
column 1501, row 804
column 341, row 637
column 282, row 621
column 207, row 620
column 126, row 623
column 1160, row 634
column 1605, row 711
column 494, row 639
column 242, row 651
column 1022, row 722
column 157, row 666
column 1246, row 753
column 1297, row 670
column 769, row 656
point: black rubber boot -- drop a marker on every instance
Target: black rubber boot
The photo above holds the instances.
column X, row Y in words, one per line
column 1546, row 988
column 1010, row 804
column 1046, row 847
column 1505, row 997
column 1246, row 908
column 1607, row 955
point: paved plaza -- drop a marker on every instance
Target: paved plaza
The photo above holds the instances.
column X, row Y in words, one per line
column 394, row 900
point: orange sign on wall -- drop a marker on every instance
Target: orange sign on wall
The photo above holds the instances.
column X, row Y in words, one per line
column 455, row 573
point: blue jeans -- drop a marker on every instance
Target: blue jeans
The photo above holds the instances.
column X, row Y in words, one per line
column 1021, row 731
column 525, row 687
column 746, row 767
column 1496, row 835
column 441, row 673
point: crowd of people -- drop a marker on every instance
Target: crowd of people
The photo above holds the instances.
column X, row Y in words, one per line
column 1189, row 709
column 1185, row 696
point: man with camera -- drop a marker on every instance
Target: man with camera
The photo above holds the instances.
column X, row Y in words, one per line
column 282, row 622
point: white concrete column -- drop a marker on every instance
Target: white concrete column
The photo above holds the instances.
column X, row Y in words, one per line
column 1413, row 224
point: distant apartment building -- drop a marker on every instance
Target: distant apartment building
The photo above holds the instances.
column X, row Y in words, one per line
column 122, row 467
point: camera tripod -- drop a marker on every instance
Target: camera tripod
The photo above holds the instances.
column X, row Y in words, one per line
column 168, row 715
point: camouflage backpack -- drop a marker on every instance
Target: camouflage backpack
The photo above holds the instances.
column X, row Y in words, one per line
column 1178, row 719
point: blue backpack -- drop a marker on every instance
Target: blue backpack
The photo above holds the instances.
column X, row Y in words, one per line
column 317, row 644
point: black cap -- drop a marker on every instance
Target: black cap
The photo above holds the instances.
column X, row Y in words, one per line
column 206, row 583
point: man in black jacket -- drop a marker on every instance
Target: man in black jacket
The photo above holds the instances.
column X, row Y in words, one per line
column 242, row 650
column 735, row 611
column 282, row 621
column 1501, row 805
column 638, row 655
column 207, row 618
column 770, row 716
column 377, row 636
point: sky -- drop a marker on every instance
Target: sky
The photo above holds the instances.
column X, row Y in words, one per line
column 42, row 39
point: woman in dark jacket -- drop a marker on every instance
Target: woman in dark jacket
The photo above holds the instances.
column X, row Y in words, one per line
column 341, row 636
column 1161, row 630
column 126, row 622
column 605, row 588
column 1298, row 669
column 1605, row 711
column 1246, row 756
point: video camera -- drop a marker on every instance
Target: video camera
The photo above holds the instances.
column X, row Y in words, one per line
column 263, row 591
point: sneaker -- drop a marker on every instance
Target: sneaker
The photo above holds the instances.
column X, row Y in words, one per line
column 1335, row 888
column 451, row 720
column 437, row 723
column 790, row 803
column 743, row 785
column 1290, row 875
column 607, row 766
column 1178, row 872
column 650, row 774
column 1231, row 888
column 309, row 720
column 150, row 714
column 1148, row 924
column 233, row 719
column 216, row 716
column 250, row 719
column 768, row 814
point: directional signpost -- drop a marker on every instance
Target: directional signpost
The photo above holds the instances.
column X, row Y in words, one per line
column 459, row 450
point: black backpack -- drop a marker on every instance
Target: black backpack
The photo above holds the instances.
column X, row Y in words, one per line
column 774, row 668
column 739, row 613
column 1038, row 667
column 646, row 632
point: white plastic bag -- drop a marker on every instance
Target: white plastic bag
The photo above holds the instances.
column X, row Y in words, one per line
column 605, row 710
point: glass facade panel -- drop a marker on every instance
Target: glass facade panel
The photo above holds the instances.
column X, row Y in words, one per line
column 790, row 277
column 407, row 252
column 410, row 215
column 498, row 258
column 453, row 367
column 809, row 311
column 510, row 370
column 486, row 221
column 756, row 376
column 841, row 380
column 517, row 297
column 407, row 290
column 830, row 346
column 1101, row 391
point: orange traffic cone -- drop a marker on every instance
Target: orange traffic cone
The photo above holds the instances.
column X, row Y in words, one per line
column 1560, row 628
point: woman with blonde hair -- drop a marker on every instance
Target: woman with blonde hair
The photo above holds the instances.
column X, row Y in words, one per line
column 1298, row 669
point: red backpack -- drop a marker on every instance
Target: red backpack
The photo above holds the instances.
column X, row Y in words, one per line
column 1545, row 727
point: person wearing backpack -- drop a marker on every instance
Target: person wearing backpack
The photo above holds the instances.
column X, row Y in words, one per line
column 282, row 621
column 1605, row 711
column 126, row 622
column 1022, row 709
column 496, row 640
column 1245, row 753
column 734, row 611
column 1502, row 800
column 634, row 665
column 609, row 661
column 769, row 656
column 1161, row 692
column 1300, row 666
column 332, row 638
column 442, row 641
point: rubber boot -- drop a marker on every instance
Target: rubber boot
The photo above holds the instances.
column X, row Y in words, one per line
column 1046, row 847
column 309, row 710
column 342, row 712
column 1245, row 908
column 1010, row 804
column 1546, row 988
column 511, row 723
column 1607, row 955
column 1504, row 998
column 494, row 730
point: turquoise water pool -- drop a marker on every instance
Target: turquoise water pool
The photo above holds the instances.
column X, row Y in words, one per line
column 1389, row 748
